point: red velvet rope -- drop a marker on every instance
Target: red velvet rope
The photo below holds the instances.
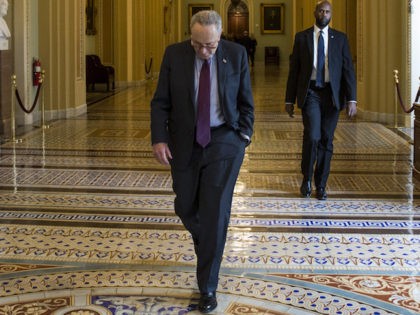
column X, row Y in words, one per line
column 401, row 100
column 23, row 107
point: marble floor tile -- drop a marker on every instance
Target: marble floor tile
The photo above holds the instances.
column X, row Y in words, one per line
column 87, row 225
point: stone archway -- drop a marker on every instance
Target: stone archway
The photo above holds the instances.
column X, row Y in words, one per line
column 238, row 19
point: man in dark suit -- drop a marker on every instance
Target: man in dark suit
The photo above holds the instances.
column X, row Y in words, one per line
column 205, row 161
column 322, row 80
column 250, row 45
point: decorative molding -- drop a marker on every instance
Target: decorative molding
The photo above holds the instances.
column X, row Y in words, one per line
column 57, row 114
column 90, row 17
column 100, row 21
column 82, row 69
column 28, row 59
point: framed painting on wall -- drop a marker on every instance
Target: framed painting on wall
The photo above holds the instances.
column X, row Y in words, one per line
column 194, row 8
column 272, row 18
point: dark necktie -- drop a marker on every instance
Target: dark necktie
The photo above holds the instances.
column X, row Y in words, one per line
column 320, row 63
column 203, row 106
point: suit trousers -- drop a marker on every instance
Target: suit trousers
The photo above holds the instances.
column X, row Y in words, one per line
column 320, row 118
column 203, row 200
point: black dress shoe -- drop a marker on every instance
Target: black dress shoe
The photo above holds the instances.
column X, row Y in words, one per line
column 207, row 303
column 321, row 193
column 306, row 189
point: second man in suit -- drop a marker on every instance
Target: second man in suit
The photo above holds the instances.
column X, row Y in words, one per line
column 202, row 116
column 322, row 81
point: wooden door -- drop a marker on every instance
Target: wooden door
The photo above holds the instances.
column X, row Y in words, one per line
column 238, row 19
column 238, row 23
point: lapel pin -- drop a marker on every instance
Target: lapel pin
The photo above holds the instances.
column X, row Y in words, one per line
column 224, row 60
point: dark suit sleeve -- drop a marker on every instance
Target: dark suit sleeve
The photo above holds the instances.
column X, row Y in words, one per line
column 161, row 104
column 245, row 99
column 294, row 69
column 348, row 82
column 235, row 94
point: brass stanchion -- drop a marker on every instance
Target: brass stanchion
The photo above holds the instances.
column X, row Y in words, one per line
column 43, row 160
column 44, row 126
column 13, row 113
column 396, row 99
column 15, row 173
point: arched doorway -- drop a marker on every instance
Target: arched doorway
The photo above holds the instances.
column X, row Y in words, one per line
column 238, row 19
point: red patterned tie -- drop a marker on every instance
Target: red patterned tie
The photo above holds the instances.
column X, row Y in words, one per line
column 203, row 106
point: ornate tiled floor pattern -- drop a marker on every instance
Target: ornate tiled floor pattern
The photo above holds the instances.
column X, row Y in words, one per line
column 87, row 224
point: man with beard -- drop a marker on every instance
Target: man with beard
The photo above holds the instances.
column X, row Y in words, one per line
column 322, row 81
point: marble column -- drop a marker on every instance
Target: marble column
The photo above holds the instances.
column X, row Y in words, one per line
column 6, row 69
column 416, row 170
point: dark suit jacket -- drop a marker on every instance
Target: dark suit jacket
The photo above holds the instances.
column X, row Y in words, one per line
column 173, row 115
column 340, row 67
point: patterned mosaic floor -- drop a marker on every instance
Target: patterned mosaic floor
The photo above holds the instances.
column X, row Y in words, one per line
column 87, row 224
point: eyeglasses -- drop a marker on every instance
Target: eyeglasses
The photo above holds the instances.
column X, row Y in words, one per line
column 208, row 46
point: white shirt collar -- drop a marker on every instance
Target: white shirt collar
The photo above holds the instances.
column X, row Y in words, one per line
column 317, row 29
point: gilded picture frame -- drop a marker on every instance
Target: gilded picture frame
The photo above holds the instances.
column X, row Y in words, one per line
column 272, row 18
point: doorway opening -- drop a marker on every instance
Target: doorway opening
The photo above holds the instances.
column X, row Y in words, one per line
column 238, row 19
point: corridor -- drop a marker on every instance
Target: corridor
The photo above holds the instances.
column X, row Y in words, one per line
column 87, row 224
